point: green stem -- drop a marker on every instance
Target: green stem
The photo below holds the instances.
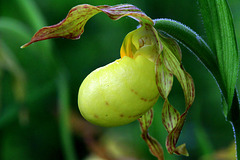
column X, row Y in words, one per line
column 0, row 90
column 236, row 130
column 237, row 139
column 234, row 118
column 189, row 39
column 194, row 43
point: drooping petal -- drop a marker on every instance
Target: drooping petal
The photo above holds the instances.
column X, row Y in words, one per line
column 173, row 122
column 118, row 11
column 164, row 78
column 171, row 118
column 73, row 25
column 174, row 66
column 172, row 46
column 154, row 146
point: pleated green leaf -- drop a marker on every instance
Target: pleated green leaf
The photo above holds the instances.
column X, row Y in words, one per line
column 219, row 27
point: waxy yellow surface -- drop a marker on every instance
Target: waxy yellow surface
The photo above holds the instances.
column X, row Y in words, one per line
column 119, row 92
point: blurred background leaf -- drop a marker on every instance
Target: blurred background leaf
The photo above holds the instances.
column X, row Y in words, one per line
column 30, row 128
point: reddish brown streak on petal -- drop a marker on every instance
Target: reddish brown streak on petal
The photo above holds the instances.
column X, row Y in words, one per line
column 72, row 26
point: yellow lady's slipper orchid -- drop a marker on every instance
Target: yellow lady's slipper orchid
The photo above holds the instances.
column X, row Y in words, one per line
column 126, row 89
column 119, row 92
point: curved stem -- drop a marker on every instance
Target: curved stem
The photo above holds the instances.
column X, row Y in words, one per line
column 194, row 43
column 234, row 119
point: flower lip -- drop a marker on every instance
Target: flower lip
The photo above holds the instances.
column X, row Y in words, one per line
column 118, row 93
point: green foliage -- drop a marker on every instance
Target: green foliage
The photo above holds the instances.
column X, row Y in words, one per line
column 220, row 31
column 30, row 129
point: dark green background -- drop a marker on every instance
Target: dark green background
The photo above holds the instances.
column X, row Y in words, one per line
column 32, row 127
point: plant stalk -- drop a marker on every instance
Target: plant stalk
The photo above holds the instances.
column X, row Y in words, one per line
column 236, row 131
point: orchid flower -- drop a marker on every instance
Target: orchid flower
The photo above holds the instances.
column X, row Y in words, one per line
column 127, row 89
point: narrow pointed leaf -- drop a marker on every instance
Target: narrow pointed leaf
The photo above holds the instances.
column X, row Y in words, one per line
column 155, row 147
column 73, row 25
